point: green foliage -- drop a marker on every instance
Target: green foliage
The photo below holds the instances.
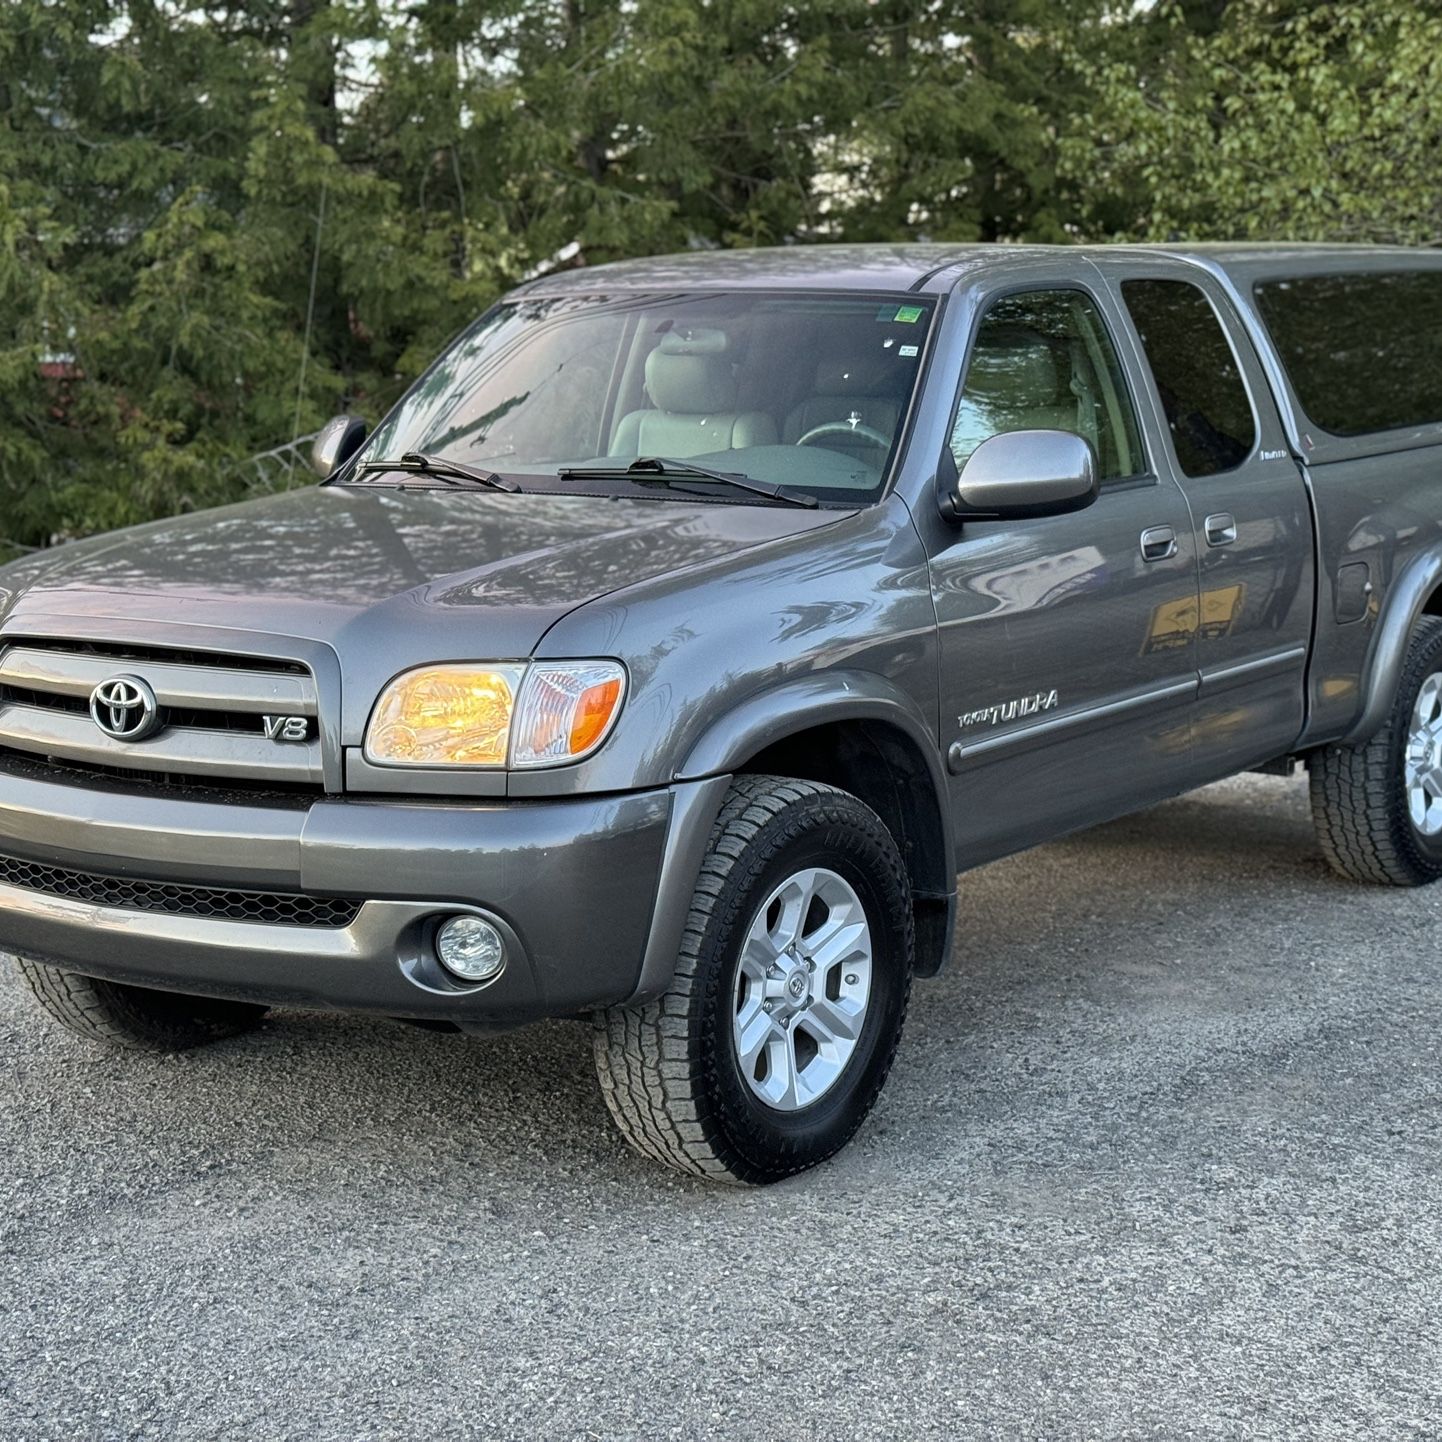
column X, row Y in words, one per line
column 173, row 172
column 1278, row 120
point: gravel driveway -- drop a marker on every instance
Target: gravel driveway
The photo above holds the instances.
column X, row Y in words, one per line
column 1160, row 1158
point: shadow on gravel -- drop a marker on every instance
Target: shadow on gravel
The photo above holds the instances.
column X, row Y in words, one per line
column 1218, row 825
column 1112, row 933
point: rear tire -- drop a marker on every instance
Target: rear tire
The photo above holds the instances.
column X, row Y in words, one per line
column 781, row 1024
column 135, row 1017
column 1363, row 797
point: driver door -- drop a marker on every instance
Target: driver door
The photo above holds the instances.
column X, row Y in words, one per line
column 1067, row 643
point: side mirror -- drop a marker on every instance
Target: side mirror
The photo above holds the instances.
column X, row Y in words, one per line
column 336, row 442
column 1020, row 474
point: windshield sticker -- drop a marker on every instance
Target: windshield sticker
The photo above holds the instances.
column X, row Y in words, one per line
column 910, row 314
column 908, row 350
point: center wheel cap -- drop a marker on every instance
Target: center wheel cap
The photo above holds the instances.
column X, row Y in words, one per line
column 796, row 985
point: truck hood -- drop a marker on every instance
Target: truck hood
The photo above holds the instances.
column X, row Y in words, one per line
column 414, row 575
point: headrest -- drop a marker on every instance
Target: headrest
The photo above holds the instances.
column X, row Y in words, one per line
column 853, row 378
column 1014, row 364
column 694, row 340
column 687, row 384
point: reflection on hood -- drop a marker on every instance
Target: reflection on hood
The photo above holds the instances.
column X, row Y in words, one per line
column 335, row 551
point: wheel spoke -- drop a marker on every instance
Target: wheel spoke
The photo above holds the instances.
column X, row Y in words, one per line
column 832, row 1021
column 752, row 1033
column 757, row 955
column 1418, row 805
column 795, row 898
column 1428, row 710
column 842, row 943
column 787, row 1095
column 821, row 1071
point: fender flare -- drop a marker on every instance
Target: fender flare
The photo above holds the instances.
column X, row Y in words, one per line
column 819, row 699
column 727, row 743
column 1407, row 597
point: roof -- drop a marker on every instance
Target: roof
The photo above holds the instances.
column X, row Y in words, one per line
column 908, row 266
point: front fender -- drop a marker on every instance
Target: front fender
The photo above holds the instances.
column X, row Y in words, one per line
column 818, row 699
column 825, row 698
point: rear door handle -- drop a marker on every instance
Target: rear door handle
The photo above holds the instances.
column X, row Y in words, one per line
column 1221, row 529
column 1159, row 543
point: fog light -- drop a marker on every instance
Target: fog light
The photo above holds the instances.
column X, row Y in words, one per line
column 471, row 948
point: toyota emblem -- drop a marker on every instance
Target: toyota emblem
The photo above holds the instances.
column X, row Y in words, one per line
column 124, row 707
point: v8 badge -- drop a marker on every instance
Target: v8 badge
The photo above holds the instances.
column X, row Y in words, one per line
column 286, row 728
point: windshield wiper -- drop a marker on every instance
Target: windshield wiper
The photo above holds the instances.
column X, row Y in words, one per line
column 443, row 469
column 662, row 469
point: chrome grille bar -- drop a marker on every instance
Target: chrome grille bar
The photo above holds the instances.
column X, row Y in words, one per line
column 185, row 751
column 212, row 716
column 69, row 673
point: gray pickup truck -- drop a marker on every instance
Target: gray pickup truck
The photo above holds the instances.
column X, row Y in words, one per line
column 673, row 644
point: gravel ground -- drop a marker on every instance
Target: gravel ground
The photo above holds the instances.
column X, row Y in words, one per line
column 1159, row 1158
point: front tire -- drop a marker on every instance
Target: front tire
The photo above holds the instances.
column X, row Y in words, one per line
column 1377, row 807
column 135, row 1018
column 778, row 1031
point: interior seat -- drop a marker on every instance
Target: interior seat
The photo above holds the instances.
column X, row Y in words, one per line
column 693, row 395
column 843, row 389
column 1018, row 381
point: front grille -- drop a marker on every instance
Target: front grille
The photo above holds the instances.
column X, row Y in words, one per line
column 213, row 710
column 232, row 791
column 171, row 655
column 275, row 908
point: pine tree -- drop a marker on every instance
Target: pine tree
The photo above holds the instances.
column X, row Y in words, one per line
column 222, row 222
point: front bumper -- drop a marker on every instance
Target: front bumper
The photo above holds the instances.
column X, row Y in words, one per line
column 573, row 886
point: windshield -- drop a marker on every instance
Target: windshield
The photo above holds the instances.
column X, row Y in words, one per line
column 803, row 391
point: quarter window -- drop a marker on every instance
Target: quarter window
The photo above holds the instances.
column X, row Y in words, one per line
column 1205, row 399
column 1363, row 350
column 1044, row 361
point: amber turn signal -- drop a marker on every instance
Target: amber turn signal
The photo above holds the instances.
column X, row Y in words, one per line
column 566, row 710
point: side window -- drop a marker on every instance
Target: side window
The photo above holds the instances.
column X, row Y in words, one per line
column 1203, row 394
column 1363, row 350
column 1044, row 361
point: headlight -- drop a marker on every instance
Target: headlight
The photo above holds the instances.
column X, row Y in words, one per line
column 545, row 714
column 445, row 716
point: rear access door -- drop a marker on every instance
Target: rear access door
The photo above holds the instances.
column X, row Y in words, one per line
column 1252, row 527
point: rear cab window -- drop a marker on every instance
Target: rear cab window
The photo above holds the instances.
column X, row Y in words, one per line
column 1362, row 349
column 1209, row 413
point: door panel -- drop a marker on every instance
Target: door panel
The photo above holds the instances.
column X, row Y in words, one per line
column 1068, row 678
column 1249, row 505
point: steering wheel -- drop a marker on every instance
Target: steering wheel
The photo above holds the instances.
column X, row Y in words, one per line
column 845, row 428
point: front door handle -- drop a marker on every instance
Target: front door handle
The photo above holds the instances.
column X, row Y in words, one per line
column 1221, row 529
column 1159, row 543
